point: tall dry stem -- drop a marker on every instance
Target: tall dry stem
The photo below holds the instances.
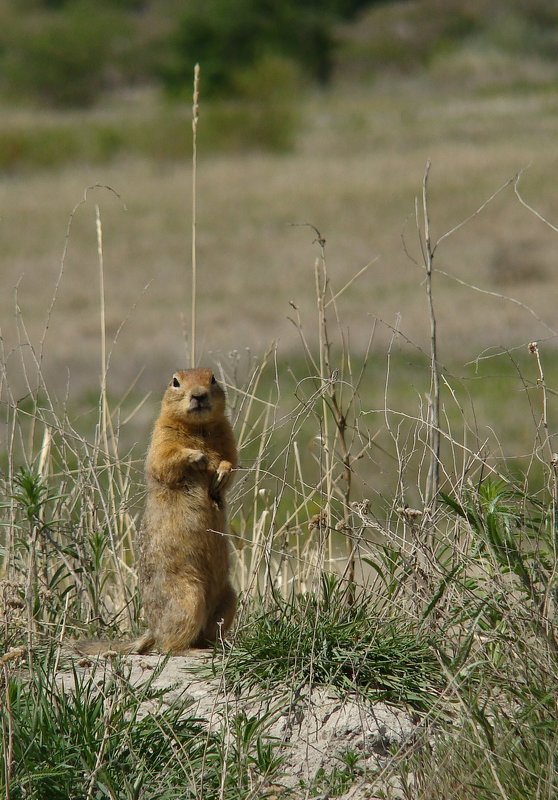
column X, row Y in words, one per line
column 113, row 516
column 102, row 308
column 195, row 117
column 433, row 479
column 336, row 443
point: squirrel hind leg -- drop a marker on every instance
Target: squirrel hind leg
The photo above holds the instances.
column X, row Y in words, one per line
column 182, row 622
column 220, row 621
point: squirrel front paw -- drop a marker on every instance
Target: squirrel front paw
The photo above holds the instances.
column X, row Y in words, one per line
column 223, row 475
column 196, row 458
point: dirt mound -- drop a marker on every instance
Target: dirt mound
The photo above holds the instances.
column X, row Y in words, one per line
column 314, row 728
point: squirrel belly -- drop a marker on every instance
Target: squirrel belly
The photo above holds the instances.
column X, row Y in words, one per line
column 187, row 596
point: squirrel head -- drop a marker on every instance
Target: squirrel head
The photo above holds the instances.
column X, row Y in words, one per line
column 194, row 396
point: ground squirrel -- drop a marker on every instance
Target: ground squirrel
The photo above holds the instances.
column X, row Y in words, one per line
column 187, row 597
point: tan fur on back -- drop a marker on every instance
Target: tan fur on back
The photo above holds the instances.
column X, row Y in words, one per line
column 187, row 597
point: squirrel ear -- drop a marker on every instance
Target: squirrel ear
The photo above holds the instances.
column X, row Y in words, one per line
column 175, row 382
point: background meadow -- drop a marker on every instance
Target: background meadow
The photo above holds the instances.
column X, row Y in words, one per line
column 387, row 336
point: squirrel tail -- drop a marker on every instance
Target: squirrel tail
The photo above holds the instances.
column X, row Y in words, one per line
column 108, row 647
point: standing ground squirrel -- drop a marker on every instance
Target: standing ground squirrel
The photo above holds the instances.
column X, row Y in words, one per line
column 183, row 553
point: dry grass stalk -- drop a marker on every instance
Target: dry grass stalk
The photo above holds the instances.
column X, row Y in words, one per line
column 195, row 117
column 433, row 479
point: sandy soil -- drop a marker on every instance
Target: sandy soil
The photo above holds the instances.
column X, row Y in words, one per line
column 314, row 728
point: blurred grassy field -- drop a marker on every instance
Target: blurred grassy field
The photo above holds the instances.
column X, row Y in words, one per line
column 355, row 173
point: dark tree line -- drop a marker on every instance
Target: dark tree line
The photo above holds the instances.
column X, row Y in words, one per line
column 66, row 52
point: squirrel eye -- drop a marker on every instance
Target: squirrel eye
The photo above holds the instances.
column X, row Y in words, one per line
column 175, row 382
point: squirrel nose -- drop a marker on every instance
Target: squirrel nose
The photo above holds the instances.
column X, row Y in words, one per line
column 199, row 398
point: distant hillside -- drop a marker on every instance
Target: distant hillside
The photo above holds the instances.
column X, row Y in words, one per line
column 413, row 35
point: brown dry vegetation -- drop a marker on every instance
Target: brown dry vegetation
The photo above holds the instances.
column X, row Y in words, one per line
column 355, row 175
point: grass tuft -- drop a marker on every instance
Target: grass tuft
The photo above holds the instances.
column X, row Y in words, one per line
column 320, row 639
column 90, row 735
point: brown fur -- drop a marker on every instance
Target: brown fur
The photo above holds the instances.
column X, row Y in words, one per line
column 183, row 552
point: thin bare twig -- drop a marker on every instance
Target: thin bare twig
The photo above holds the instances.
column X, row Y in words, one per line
column 527, row 206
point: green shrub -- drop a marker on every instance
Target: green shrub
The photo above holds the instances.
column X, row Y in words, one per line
column 263, row 119
column 225, row 37
column 265, row 114
column 42, row 147
column 61, row 58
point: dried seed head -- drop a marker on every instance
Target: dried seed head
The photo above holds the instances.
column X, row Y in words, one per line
column 533, row 348
column 317, row 522
column 362, row 507
column 410, row 514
